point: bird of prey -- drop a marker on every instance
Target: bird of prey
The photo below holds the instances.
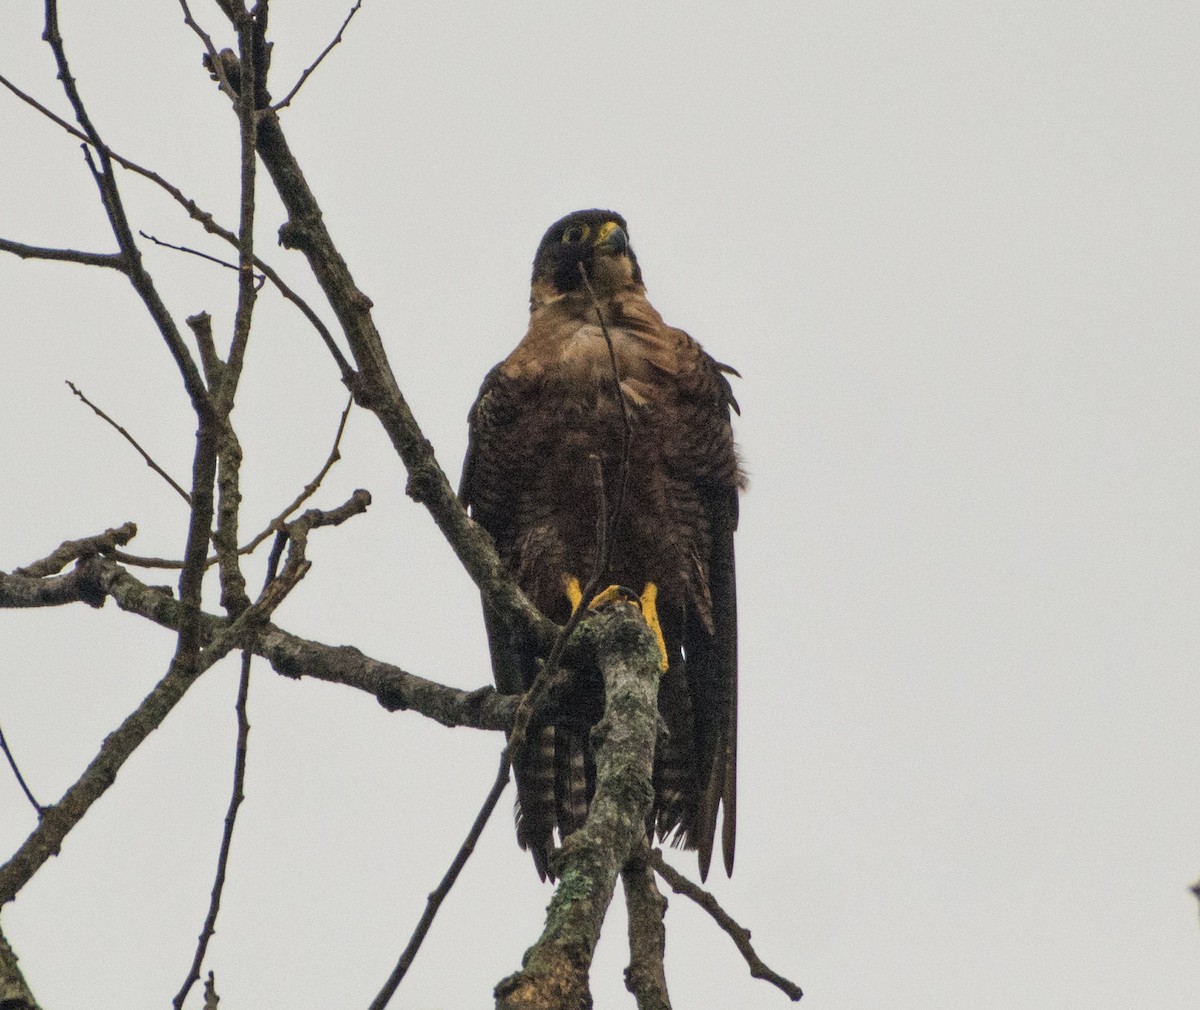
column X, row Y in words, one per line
column 546, row 416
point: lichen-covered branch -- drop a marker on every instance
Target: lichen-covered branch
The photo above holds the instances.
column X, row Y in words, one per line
column 15, row 993
column 554, row 975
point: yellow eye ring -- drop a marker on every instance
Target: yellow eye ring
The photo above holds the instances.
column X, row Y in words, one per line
column 575, row 233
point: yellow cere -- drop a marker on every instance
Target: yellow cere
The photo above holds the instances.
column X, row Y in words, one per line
column 606, row 229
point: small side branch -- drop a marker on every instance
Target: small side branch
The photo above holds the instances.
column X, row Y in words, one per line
column 438, row 895
column 309, row 489
column 114, row 261
column 132, row 441
column 259, row 279
column 287, row 99
column 738, row 934
column 74, row 550
column 235, row 800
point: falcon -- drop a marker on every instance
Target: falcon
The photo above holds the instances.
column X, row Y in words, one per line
column 602, row 394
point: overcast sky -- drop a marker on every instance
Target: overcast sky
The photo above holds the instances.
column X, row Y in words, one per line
column 953, row 250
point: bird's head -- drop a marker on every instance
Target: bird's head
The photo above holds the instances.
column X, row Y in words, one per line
column 594, row 243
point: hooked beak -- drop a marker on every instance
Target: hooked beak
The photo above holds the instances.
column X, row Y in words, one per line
column 612, row 239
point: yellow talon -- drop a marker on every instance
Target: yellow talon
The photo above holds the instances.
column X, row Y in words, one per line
column 574, row 593
column 650, row 613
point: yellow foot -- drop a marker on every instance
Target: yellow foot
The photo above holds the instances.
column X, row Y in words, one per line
column 650, row 613
column 574, row 593
column 647, row 601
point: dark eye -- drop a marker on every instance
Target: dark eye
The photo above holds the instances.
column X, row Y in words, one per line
column 575, row 233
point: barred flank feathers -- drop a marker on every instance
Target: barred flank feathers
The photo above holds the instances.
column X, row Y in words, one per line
column 570, row 781
column 535, row 775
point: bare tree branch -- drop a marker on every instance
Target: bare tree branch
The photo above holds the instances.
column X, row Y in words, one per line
column 272, row 527
column 190, row 660
column 310, row 488
column 203, row 218
column 194, row 211
column 438, row 894
column 739, row 934
column 79, row 586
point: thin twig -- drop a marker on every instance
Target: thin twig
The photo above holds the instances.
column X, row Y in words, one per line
column 438, row 895
column 287, row 99
column 739, row 934
column 210, row 49
column 133, row 441
column 260, row 279
column 235, row 800
column 12, row 761
column 310, row 488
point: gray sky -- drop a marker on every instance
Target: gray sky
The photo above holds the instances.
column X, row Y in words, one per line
column 952, row 249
